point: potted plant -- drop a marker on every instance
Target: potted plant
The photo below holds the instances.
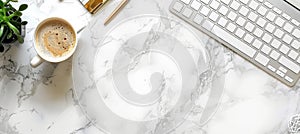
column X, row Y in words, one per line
column 11, row 24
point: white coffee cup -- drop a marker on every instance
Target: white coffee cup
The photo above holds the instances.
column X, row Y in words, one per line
column 45, row 54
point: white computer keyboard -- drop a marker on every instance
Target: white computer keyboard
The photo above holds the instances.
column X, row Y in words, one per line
column 254, row 29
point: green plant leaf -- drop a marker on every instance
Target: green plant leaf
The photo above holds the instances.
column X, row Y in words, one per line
column 23, row 7
column 1, row 3
column 16, row 32
column 13, row 28
column 9, row 35
column 4, row 34
column 20, row 39
column 17, row 13
column 24, row 23
column 1, row 18
column 1, row 30
column 4, row 11
column 4, row 18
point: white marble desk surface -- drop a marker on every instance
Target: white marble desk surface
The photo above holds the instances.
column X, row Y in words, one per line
column 42, row 101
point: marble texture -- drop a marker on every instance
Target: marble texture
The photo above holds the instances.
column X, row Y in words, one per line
column 43, row 100
column 149, row 79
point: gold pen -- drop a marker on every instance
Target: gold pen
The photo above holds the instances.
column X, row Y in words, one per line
column 116, row 11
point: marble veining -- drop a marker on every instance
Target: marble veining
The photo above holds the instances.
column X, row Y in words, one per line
column 43, row 100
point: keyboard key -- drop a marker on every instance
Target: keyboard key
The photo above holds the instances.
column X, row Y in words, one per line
column 252, row 16
column 196, row 5
column 178, row 7
column 235, row 5
column 222, row 21
column 223, row 10
column 249, row 27
column 244, row 1
column 269, row 5
column 267, row 38
column 205, row 1
column 271, row 16
column 282, row 69
column 281, row 74
column 296, row 44
column 257, row 43
column 261, row 22
column 279, row 33
column 266, row 49
column 289, row 79
column 287, row 39
column 232, row 16
column 278, row 11
column 279, row 21
column 258, row 32
column 214, row 4
column 270, row 27
column 260, row 58
column 213, row 16
column 205, row 11
column 244, row 11
column 198, row 19
column 275, row 55
column 262, row 10
column 276, row 43
column 207, row 25
column 289, row 64
column 187, row 12
column 253, row 5
column 284, row 49
column 288, row 27
column 248, row 38
column 273, row 69
column 241, row 21
column 293, row 54
column 231, row 27
column 226, row 1
column 296, row 33
column 186, row 1
column 295, row 22
column 236, row 43
column 286, row 16
column 240, row 32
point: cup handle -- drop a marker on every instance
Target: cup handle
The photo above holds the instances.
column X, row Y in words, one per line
column 36, row 61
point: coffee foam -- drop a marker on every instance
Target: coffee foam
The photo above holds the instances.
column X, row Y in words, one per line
column 55, row 38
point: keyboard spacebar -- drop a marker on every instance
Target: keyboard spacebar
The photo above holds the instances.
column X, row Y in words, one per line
column 233, row 41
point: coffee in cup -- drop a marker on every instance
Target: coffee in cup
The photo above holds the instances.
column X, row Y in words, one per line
column 55, row 40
